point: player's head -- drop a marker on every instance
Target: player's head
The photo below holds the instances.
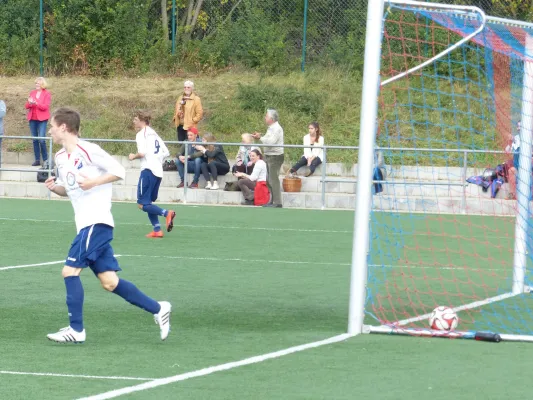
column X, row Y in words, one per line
column 188, row 87
column 192, row 133
column 141, row 119
column 40, row 83
column 65, row 121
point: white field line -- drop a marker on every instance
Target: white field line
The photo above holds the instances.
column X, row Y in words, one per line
column 177, row 225
column 247, row 260
column 210, row 370
column 38, row 264
column 116, row 378
column 258, row 228
column 460, row 308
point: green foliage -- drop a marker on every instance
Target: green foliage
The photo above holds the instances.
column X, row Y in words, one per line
column 259, row 97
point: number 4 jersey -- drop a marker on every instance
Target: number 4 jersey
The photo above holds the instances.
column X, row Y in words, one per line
column 154, row 149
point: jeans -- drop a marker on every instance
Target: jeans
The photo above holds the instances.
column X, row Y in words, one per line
column 377, row 176
column 303, row 162
column 215, row 168
column 38, row 129
column 274, row 163
column 192, row 166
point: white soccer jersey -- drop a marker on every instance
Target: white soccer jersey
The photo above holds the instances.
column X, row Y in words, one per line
column 154, row 149
column 91, row 206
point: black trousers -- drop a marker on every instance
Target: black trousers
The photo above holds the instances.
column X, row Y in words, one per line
column 214, row 168
column 303, row 162
column 181, row 133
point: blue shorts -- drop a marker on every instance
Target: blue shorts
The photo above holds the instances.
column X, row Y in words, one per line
column 92, row 248
column 148, row 187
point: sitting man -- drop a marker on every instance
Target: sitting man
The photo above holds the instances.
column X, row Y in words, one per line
column 194, row 158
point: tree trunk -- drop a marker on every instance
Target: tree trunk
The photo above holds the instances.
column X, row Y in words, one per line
column 164, row 19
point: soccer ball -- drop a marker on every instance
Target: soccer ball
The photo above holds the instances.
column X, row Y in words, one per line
column 443, row 319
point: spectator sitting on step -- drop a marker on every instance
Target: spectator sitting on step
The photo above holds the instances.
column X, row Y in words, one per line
column 242, row 161
column 514, row 148
column 312, row 155
column 194, row 158
column 254, row 187
column 214, row 163
column 379, row 170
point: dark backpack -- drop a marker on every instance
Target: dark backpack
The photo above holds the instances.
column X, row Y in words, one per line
column 170, row 165
column 42, row 173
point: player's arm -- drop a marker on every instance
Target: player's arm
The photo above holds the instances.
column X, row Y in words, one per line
column 113, row 170
column 55, row 186
column 141, row 148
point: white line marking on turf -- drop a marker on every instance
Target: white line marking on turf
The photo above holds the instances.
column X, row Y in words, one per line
column 258, row 228
column 116, row 378
column 210, row 370
column 247, row 260
column 253, row 228
column 460, row 308
column 38, row 264
column 270, row 262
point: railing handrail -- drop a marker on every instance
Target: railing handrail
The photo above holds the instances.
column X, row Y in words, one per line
column 329, row 147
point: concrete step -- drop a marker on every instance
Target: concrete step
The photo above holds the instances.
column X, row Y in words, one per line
column 309, row 184
column 428, row 204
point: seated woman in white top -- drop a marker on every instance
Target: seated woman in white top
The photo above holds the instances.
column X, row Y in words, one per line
column 249, row 184
column 312, row 155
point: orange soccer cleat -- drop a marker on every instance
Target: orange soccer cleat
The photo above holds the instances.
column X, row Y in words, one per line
column 155, row 234
column 170, row 220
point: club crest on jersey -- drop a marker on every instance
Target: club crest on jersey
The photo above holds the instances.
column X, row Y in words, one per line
column 80, row 165
column 77, row 163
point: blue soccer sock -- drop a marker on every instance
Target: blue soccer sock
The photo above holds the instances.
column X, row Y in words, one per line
column 153, row 209
column 75, row 297
column 129, row 292
column 154, row 220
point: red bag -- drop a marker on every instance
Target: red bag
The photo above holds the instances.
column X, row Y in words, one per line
column 261, row 194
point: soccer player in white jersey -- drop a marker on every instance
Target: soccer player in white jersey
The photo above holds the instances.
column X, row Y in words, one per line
column 152, row 151
column 85, row 175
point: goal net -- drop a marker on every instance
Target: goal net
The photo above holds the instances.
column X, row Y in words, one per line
column 453, row 157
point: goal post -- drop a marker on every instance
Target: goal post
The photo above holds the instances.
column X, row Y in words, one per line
column 447, row 95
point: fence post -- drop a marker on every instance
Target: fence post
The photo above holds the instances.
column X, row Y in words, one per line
column 41, row 33
column 50, row 162
column 463, row 200
column 185, row 172
column 304, row 41
column 173, row 27
column 324, row 156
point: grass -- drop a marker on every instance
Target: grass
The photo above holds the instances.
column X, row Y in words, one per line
column 246, row 282
column 107, row 105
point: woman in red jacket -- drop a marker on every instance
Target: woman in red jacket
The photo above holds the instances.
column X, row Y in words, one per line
column 38, row 106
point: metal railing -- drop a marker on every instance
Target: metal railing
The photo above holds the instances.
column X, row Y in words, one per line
column 323, row 179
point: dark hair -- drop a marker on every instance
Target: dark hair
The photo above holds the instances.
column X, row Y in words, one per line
column 258, row 153
column 143, row 116
column 69, row 117
column 317, row 129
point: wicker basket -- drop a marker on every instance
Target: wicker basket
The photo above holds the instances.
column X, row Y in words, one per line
column 292, row 184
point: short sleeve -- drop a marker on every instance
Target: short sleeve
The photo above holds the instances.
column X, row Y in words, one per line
column 105, row 162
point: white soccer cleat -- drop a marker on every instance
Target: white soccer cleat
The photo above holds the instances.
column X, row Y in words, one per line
column 163, row 318
column 67, row 335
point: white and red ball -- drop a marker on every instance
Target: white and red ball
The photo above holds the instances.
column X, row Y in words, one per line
column 443, row 319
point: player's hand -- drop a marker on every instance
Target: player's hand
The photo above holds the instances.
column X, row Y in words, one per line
column 249, row 164
column 131, row 156
column 200, row 148
column 256, row 135
column 84, row 182
column 50, row 183
column 238, row 174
